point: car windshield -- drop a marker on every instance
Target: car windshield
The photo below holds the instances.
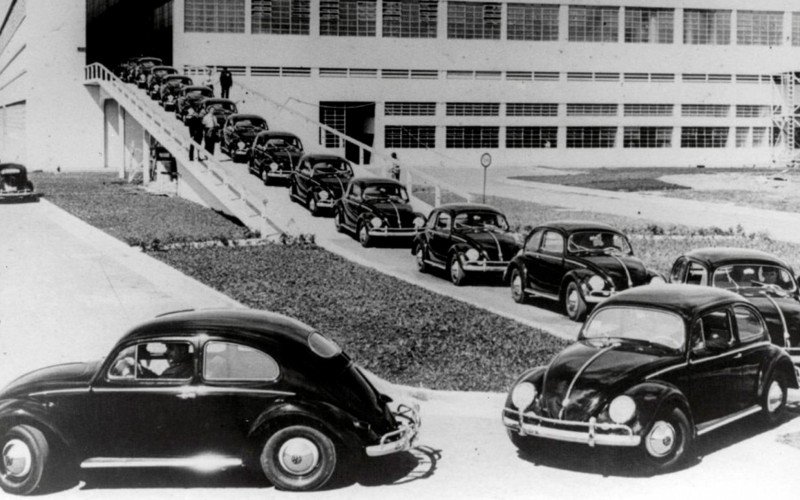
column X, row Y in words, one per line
column 637, row 324
column 251, row 123
column 198, row 93
column 338, row 168
column 608, row 242
column 385, row 191
column 286, row 141
column 222, row 106
column 480, row 220
column 736, row 276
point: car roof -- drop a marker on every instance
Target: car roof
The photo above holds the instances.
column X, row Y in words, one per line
column 458, row 207
column 375, row 180
column 176, row 77
column 216, row 100
column 577, row 225
column 159, row 67
column 322, row 156
column 21, row 168
column 197, row 87
column 277, row 133
column 245, row 116
column 713, row 257
column 237, row 323
column 686, row 300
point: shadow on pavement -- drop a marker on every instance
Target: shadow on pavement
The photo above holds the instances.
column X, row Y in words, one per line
column 416, row 464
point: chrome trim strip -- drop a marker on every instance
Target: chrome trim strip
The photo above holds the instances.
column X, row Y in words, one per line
column 579, row 373
column 717, row 423
column 665, row 370
column 202, row 462
column 786, row 338
column 204, row 389
column 735, row 351
column 396, row 212
column 61, row 391
column 497, row 243
column 551, row 296
column 627, row 271
column 434, row 264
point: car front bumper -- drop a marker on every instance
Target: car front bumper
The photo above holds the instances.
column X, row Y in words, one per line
column 279, row 174
column 590, row 433
column 18, row 196
column 392, row 232
column 485, row 266
column 401, row 439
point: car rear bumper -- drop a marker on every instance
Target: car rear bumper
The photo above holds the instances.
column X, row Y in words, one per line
column 485, row 266
column 591, row 432
column 401, row 439
column 279, row 174
column 392, row 232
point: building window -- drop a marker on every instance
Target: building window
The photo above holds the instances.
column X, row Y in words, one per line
column 742, row 134
column 280, row 17
column 704, row 137
column 647, row 137
column 759, row 27
column 532, row 22
column 593, row 24
column 591, row 137
column 753, row 111
column 591, row 109
column 410, row 18
column 531, row 137
column 347, row 17
column 531, row 109
column 473, row 109
column 472, row 137
column 796, row 29
column 648, row 110
column 213, row 16
column 649, row 25
column 473, row 20
column 710, row 110
column 759, row 137
column 409, row 109
column 706, row 27
column 409, row 136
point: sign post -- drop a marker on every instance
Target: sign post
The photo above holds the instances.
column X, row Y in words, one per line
column 486, row 160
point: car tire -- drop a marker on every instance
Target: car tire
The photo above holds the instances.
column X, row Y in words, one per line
column 517, row 285
column 574, row 305
column 668, row 440
column 25, row 460
column 292, row 191
column 457, row 274
column 419, row 254
column 298, row 458
column 363, row 235
column 337, row 221
column 773, row 401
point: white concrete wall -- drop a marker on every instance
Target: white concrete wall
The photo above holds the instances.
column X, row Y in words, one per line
column 444, row 54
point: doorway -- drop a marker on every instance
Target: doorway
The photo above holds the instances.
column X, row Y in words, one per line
column 354, row 119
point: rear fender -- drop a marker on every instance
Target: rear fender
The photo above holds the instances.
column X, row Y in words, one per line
column 779, row 364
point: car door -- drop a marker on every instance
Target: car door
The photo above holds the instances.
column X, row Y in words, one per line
column 351, row 203
column 304, row 179
column 530, row 254
column 440, row 237
column 714, row 362
column 142, row 407
column 237, row 383
column 753, row 339
column 258, row 150
column 548, row 267
column 227, row 132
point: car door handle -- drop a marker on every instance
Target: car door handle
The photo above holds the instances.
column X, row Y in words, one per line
column 739, row 355
column 187, row 395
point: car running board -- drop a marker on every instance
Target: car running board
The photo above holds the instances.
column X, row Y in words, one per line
column 434, row 264
column 719, row 422
column 199, row 463
column 535, row 293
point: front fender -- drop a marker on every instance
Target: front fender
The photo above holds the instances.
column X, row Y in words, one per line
column 650, row 398
column 578, row 276
column 24, row 411
column 532, row 375
column 514, row 264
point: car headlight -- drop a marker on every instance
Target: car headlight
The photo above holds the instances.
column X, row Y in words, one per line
column 472, row 254
column 241, row 144
column 273, row 166
column 523, row 395
column 622, row 409
column 323, row 195
column 376, row 222
column 418, row 222
column 657, row 280
column 596, row 283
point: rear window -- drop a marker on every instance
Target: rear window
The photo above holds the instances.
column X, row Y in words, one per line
column 323, row 346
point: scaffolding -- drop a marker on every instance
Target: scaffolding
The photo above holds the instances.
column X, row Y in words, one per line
column 786, row 119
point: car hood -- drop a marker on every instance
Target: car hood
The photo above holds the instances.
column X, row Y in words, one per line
column 612, row 267
column 65, row 376
column 247, row 134
column 790, row 308
column 498, row 245
column 333, row 184
column 290, row 155
column 395, row 213
column 597, row 373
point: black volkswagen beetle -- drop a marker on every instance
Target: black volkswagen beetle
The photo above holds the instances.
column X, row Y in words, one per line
column 238, row 133
column 653, row 368
column 318, row 180
column 190, row 98
column 376, row 207
column 465, row 239
column 274, row 155
column 766, row 281
column 171, row 86
column 203, row 390
column 156, row 76
column 14, row 183
column 577, row 263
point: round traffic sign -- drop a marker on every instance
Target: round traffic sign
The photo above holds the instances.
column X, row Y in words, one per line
column 486, row 160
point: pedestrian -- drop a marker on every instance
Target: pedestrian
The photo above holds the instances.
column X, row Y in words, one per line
column 195, row 131
column 395, row 168
column 210, row 124
column 225, row 82
column 209, row 81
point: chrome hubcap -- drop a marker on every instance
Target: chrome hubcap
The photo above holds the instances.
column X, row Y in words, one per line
column 516, row 287
column 263, row 175
column 455, row 270
column 661, row 439
column 363, row 234
column 17, row 458
column 312, row 204
column 572, row 301
column 298, row 456
column 774, row 396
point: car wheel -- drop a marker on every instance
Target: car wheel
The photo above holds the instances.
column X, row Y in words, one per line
column 518, row 287
column 25, row 458
column 574, row 305
column 337, row 221
column 457, row 274
column 298, row 458
column 292, row 191
column 264, row 177
column 668, row 440
column 419, row 253
column 312, row 205
column 363, row 235
column 773, row 401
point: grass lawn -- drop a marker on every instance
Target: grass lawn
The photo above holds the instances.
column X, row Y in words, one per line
column 132, row 215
